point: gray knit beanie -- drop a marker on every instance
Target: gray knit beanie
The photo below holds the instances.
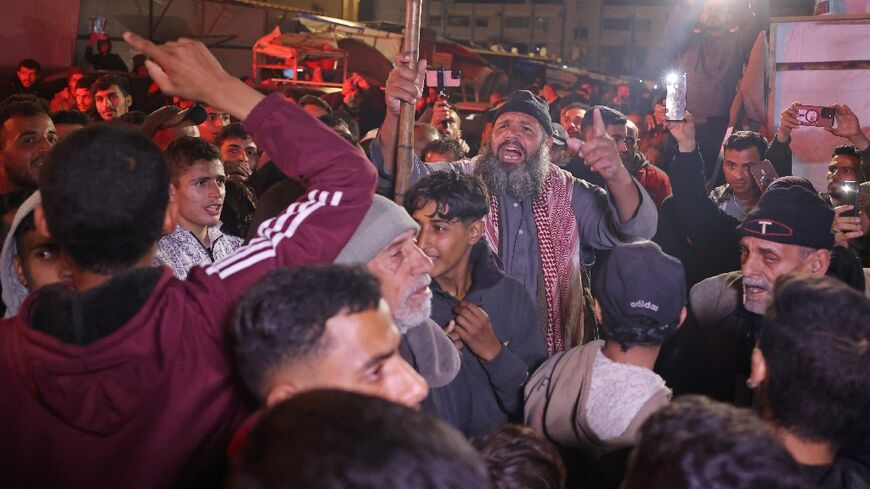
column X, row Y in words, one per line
column 383, row 222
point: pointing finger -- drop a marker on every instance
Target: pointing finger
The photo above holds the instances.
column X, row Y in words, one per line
column 143, row 45
column 158, row 75
column 598, row 129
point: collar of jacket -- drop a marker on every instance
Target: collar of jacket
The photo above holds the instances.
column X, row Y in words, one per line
column 486, row 270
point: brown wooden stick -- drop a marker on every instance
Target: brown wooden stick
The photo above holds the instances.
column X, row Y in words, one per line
column 405, row 150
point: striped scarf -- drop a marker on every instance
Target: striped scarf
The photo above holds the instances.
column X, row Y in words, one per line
column 559, row 245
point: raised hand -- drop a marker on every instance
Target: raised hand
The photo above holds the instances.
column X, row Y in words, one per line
column 404, row 84
column 788, row 122
column 846, row 228
column 683, row 132
column 848, row 127
column 600, row 154
column 187, row 68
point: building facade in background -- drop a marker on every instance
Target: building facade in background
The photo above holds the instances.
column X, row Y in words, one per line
column 615, row 36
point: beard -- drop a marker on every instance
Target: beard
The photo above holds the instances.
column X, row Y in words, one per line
column 756, row 303
column 411, row 312
column 526, row 179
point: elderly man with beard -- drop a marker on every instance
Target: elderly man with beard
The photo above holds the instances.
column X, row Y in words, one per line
column 385, row 242
column 788, row 232
column 539, row 215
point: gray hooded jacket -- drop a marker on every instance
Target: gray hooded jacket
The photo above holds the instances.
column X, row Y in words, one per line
column 14, row 292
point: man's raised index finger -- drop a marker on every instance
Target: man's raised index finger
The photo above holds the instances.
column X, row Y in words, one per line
column 598, row 123
column 141, row 44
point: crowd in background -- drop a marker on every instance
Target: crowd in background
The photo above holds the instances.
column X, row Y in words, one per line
column 208, row 283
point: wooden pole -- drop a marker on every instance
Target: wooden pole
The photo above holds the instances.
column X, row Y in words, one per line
column 405, row 149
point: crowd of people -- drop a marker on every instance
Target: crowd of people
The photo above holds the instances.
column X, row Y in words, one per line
column 223, row 292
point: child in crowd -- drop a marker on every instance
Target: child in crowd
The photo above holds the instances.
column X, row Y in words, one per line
column 489, row 316
column 30, row 260
column 596, row 396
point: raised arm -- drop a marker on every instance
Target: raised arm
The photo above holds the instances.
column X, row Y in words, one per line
column 600, row 154
column 403, row 85
column 339, row 180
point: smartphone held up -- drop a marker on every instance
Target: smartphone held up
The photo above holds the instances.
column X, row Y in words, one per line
column 849, row 196
column 675, row 101
column 815, row 115
column 441, row 79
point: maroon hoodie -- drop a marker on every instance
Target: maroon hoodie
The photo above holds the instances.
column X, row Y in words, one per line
column 153, row 401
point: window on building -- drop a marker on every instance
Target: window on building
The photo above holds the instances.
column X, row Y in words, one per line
column 481, row 22
column 581, row 33
column 517, row 22
column 458, row 21
column 616, row 24
column 642, row 25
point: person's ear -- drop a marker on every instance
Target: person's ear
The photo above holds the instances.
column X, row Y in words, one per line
column 818, row 261
column 129, row 100
column 279, row 393
column 759, row 369
column 19, row 270
column 172, row 191
column 683, row 315
column 39, row 220
column 549, row 142
column 475, row 232
column 596, row 308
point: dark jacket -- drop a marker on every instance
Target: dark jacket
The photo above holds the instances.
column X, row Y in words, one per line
column 130, row 384
column 842, row 474
column 692, row 228
column 109, row 61
column 711, row 353
column 485, row 395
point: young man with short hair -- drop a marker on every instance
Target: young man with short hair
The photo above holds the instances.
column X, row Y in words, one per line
column 517, row 457
column 196, row 187
column 331, row 439
column 487, row 314
column 26, row 135
column 240, row 156
column 321, row 328
column 740, row 194
column 123, row 379
column 68, row 121
column 66, row 98
column 85, row 98
column 112, row 96
column 811, row 371
column 696, row 443
column 26, row 79
column 216, row 120
column 442, row 150
column 596, row 396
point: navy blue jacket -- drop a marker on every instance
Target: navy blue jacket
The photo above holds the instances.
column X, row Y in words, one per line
column 485, row 395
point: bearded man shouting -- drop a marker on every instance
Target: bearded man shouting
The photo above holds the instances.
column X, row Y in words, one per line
column 540, row 216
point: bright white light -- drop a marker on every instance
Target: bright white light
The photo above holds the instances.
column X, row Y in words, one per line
column 656, row 87
column 672, row 78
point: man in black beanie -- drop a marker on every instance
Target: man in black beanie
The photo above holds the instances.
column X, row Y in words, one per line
column 540, row 216
column 789, row 232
